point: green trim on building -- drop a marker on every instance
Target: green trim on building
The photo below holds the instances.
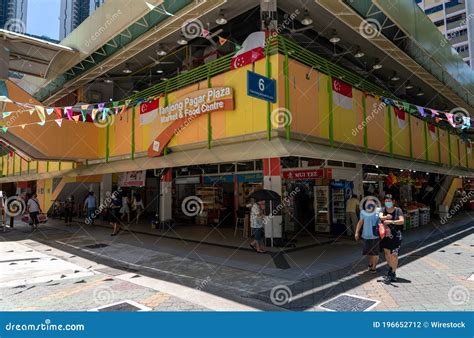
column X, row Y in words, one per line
column 364, row 110
column 133, row 133
column 331, row 112
column 390, row 131
column 209, row 119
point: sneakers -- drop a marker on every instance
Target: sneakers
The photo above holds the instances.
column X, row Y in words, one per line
column 391, row 277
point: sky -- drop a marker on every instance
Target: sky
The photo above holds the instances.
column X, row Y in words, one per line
column 43, row 18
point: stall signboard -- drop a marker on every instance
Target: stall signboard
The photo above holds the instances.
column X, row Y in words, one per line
column 255, row 177
column 132, row 179
column 307, row 174
column 181, row 113
column 218, row 179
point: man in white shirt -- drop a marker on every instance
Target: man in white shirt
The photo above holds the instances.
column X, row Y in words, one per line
column 90, row 205
column 34, row 209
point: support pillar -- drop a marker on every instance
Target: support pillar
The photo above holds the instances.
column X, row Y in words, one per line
column 166, row 191
column 272, row 181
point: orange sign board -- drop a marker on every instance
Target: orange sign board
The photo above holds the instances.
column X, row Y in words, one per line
column 181, row 113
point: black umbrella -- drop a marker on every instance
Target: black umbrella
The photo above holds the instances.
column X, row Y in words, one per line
column 265, row 195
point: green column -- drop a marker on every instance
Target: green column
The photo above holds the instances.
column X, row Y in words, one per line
column 466, row 155
column 209, row 120
column 331, row 113
column 459, row 152
column 449, row 150
column 268, row 69
column 364, row 110
column 410, row 136
column 390, row 140
column 439, row 145
column 107, row 140
column 133, row 132
column 425, row 134
column 286, row 71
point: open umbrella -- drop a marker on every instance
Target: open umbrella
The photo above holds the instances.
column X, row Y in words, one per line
column 265, row 195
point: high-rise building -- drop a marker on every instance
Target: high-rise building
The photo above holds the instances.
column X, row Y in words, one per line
column 74, row 12
column 455, row 19
column 13, row 15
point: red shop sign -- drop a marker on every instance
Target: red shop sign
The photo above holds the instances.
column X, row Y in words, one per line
column 307, row 174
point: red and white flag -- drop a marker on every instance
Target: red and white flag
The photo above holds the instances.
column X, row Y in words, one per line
column 252, row 50
column 149, row 111
column 401, row 117
column 341, row 94
column 432, row 129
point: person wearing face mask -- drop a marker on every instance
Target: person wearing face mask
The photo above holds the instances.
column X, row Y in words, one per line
column 393, row 220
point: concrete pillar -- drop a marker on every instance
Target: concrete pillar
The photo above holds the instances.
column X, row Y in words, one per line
column 166, row 191
column 4, row 60
column 272, row 181
column 105, row 185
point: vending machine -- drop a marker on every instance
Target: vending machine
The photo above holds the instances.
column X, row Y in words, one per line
column 341, row 191
column 322, row 209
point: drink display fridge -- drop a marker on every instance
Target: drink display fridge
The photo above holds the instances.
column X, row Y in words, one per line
column 321, row 208
column 341, row 191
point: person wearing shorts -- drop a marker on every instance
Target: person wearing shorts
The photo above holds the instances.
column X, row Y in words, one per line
column 393, row 220
column 368, row 222
column 256, row 224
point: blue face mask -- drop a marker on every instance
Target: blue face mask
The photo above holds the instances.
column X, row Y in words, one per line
column 389, row 204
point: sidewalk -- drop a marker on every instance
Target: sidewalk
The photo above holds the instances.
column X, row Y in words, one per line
column 238, row 275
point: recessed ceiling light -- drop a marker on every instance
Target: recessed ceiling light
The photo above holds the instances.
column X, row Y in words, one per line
column 377, row 64
column 307, row 19
column 108, row 81
column 127, row 69
column 420, row 93
column 358, row 53
column 334, row 38
column 161, row 51
column 159, row 71
column 221, row 20
column 164, row 78
column 408, row 85
column 395, row 77
column 182, row 41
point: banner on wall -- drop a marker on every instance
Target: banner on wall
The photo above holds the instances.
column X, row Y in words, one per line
column 188, row 108
column 149, row 111
column 132, row 179
column 341, row 94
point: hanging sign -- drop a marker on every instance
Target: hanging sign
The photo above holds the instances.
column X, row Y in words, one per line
column 184, row 111
column 202, row 101
column 307, row 174
column 132, row 179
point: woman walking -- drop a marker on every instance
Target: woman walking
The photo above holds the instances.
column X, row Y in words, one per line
column 138, row 206
column 34, row 209
column 256, row 223
column 125, row 210
column 393, row 220
column 115, row 220
column 368, row 222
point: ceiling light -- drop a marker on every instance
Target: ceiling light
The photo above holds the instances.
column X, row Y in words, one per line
column 161, row 51
column 108, row 81
column 164, row 78
column 420, row 93
column 377, row 64
column 307, row 19
column 408, row 85
column 127, row 69
column 159, row 71
column 358, row 53
column 395, row 77
column 334, row 38
column 221, row 20
column 182, row 41
column 135, row 91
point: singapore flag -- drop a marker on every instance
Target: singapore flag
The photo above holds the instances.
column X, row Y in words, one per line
column 341, row 94
column 251, row 51
column 149, row 111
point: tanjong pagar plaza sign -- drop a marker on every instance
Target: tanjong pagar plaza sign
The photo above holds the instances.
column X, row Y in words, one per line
column 181, row 113
column 197, row 103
